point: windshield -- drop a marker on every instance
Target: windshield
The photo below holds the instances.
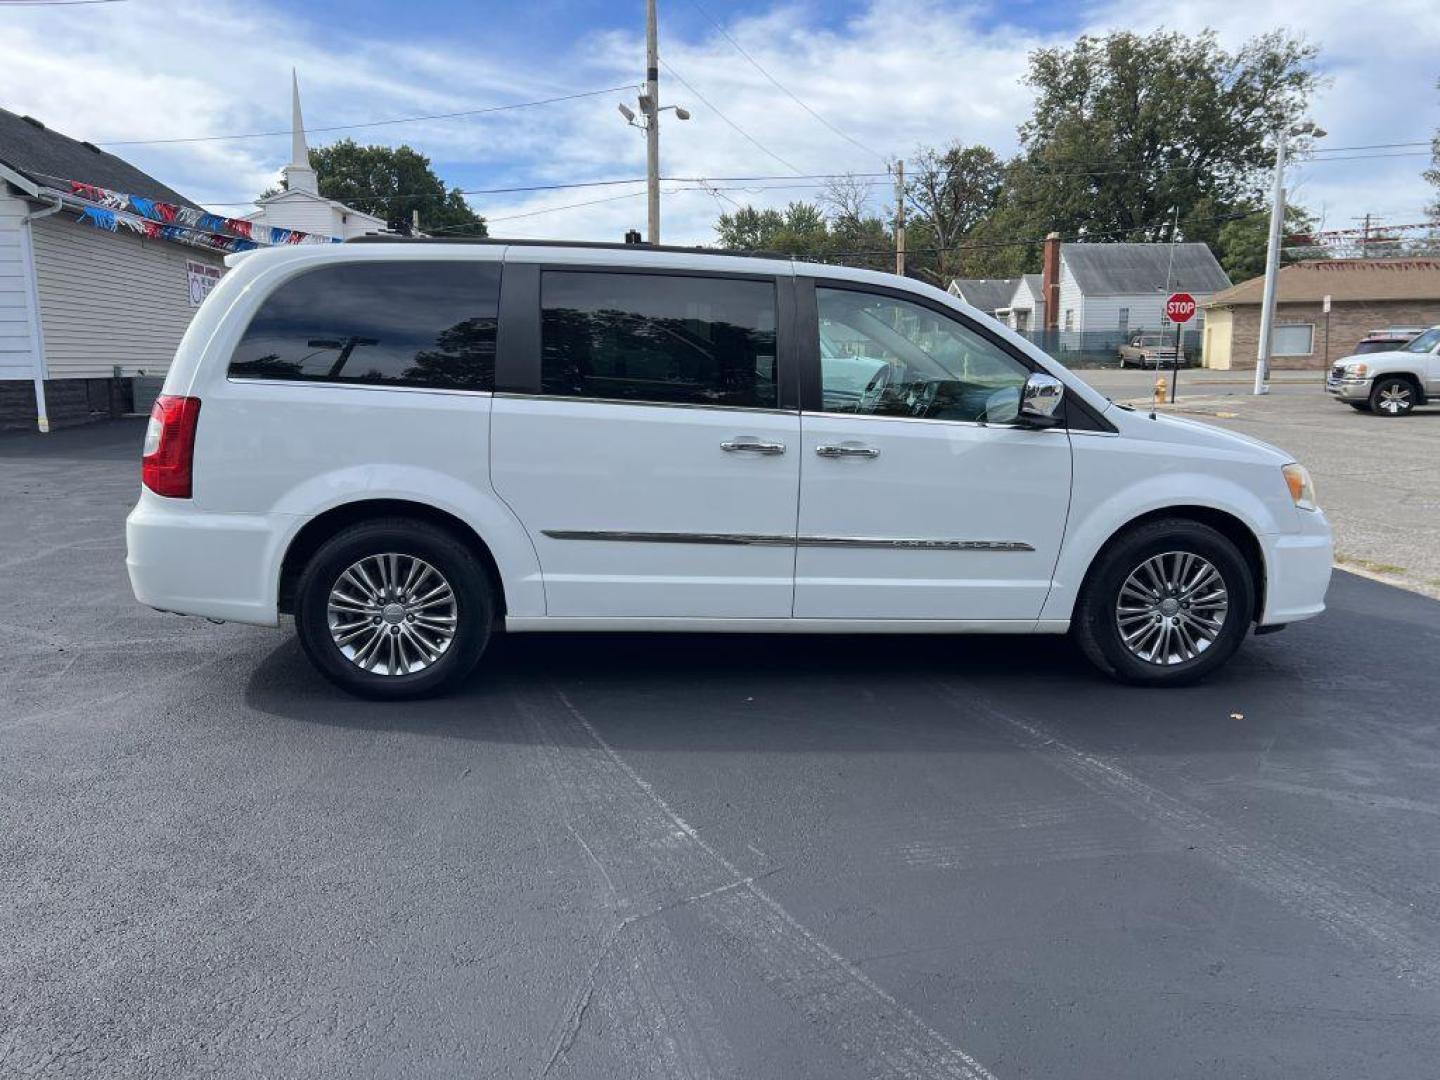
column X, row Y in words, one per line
column 1426, row 341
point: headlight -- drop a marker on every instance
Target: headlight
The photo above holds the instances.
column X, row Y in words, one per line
column 1357, row 371
column 1302, row 488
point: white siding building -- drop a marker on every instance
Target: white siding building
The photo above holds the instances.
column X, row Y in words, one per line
column 1027, row 305
column 84, row 312
column 300, row 205
column 1119, row 288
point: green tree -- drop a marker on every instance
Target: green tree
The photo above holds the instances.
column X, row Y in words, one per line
column 951, row 192
column 1127, row 126
column 1242, row 242
column 800, row 229
column 392, row 183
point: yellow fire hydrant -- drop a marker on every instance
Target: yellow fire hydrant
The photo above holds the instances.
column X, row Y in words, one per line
column 1161, row 388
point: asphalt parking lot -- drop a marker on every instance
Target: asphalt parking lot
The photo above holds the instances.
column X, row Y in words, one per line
column 698, row 856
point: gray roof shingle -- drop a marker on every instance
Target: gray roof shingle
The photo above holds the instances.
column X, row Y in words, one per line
column 47, row 157
column 1127, row 269
column 987, row 294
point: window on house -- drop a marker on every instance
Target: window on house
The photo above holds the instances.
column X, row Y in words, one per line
column 1124, row 319
column 426, row 324
column 1069, row 318
column 1293, row 339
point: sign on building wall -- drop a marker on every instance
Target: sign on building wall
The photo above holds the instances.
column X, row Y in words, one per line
column 201, row 278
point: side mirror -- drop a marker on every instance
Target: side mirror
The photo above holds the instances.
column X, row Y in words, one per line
column 1040, row 400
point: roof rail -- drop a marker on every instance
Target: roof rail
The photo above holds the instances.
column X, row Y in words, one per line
column 605, row 245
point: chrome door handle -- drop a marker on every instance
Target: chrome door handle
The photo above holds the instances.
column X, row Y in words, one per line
column 752, row 446
column 825, row 450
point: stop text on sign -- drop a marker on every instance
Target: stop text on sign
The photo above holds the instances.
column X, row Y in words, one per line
column 1180, row 307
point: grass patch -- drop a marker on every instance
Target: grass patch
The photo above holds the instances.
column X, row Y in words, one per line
column 1371, row 566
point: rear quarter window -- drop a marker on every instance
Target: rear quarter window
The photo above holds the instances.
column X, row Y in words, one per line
column 415, row 323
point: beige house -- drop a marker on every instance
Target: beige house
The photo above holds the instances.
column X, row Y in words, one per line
column 1365, row 295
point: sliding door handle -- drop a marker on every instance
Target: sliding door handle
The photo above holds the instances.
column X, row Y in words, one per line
column 752, row 446
column 846, row 450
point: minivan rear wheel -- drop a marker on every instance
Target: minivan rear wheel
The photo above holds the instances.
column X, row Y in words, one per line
column 394, row 608
column 1165, row 604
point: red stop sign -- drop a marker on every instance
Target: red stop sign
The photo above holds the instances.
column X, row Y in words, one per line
column 1180, row 307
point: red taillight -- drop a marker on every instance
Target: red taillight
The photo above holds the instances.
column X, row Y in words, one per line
column 170, row 446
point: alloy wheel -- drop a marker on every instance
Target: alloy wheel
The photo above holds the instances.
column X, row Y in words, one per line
column 1171, row 608
column 392, row 614
column 1394, row 398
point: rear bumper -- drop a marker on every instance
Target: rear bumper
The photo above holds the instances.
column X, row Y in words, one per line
column 1297, row 567
column 220, row 566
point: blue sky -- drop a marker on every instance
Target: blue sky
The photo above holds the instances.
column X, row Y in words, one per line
column 892, row 74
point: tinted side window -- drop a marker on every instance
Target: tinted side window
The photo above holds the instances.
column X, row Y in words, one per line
column 658, row 337
column 391, row 324
column 886, row 357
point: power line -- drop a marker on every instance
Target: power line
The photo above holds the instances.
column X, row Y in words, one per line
column 462, row 191
column 54, row 3
column 757, row 178
column 754, row 179
column 781, row 87
column 753, row 141
column 1370, row 146
column 373, row 123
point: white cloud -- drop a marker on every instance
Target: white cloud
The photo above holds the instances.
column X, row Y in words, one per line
column 900, row 74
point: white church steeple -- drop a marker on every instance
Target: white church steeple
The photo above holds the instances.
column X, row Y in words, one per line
column 299, row 176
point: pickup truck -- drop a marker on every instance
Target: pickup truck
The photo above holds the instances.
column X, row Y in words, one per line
column 1152, row 351
column 1390, row 383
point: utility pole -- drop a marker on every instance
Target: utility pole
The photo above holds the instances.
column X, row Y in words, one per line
column 1272, row 267
column 900, row 218
column 652, row 119
column 1365, row 239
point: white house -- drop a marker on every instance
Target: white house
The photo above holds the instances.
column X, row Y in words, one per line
column 1118, row 288
column 1026, row 308
column 300, row 205
column 990, row 295
column 101, row 268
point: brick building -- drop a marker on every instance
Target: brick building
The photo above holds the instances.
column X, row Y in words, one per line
column 1365, row 295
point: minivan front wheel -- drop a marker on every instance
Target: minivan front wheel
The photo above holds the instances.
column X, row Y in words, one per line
column 394, row 609
column 1166, row 604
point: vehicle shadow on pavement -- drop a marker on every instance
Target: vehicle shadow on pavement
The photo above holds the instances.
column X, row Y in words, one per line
column 803, row 693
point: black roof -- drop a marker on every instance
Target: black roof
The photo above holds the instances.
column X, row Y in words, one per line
column 47, row 157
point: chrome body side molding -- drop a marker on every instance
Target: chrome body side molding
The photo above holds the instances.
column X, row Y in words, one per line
column 906, row 543
column 682, row 625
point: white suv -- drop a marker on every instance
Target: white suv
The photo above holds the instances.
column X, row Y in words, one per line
column 1390, row 383
column 411, row 445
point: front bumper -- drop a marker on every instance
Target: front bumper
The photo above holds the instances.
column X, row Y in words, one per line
column 1349, row 389
column 1297, row 570
column 221, row 566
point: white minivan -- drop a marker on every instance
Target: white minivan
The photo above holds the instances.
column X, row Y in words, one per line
column 409, row 445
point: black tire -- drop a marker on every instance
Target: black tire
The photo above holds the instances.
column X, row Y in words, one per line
column 1359, row 406
column 1096, row 624
column 1393, row 395
column 474, row 606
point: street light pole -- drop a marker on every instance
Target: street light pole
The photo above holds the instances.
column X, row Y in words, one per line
column 652, row 120
column 1272, row 267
